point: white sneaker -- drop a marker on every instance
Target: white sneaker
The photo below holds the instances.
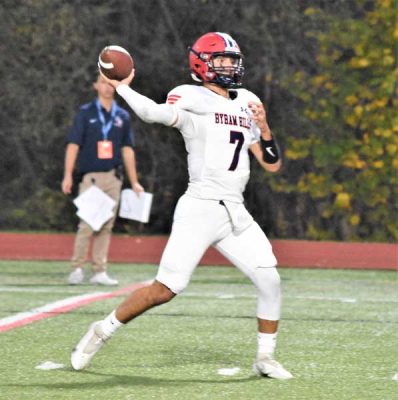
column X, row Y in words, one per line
column 76, row 276
column 88, row 346
column 265, row 365
column 102, row 278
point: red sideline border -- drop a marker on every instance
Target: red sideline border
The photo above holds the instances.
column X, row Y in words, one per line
column 142, row 249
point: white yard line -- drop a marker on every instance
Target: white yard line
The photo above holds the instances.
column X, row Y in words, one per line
column 62, row 306
column 62, row 289
column 231, row 296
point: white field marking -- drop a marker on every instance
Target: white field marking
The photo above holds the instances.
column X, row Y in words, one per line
column 56, row 289
column 48, row 365
column 395, row 377
column 228, row 371
column 62, row 306
column 342, row 299
column 229, row 296
column 322, row 298
column 49, row 308
column 225, row 296
column 219, row 295
column 64, row 289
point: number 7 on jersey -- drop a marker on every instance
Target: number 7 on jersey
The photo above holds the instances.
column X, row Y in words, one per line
column 236, row 136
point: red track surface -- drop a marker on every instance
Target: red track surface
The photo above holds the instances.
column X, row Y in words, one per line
column 141, row 249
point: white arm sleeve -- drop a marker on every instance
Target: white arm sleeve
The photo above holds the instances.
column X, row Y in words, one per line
column 147, row 109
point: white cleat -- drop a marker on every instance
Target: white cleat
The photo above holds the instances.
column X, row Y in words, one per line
column 266, row 366
column 76, row 276
column 88, row 346
column 102, row 278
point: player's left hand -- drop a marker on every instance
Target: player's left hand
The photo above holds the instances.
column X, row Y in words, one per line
column 259, row 116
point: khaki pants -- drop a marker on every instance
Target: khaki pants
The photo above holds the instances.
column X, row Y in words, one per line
column 111, row 185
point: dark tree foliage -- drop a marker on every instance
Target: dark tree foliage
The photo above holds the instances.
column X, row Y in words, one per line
column 49, row 52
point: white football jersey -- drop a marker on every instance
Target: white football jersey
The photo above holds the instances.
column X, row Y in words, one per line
column 217, row 132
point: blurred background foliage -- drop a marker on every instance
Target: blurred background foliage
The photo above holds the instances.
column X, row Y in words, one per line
column 326, row 71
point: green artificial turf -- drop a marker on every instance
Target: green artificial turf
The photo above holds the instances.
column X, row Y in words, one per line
column 338, row 336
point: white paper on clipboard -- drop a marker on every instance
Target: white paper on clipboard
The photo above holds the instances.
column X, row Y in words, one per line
column 135, row 207
column 95, row 207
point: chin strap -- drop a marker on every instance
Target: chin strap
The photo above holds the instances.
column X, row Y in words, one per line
column 195, row 77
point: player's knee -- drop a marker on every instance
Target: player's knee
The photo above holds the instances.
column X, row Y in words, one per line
column 160, row 293
column 175, row 281
column 267, row 279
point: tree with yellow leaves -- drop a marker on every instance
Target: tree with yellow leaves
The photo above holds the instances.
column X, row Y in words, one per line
column 351, row 149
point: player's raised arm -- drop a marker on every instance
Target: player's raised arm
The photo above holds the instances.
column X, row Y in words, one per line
column 145, row 108
column 266, row 150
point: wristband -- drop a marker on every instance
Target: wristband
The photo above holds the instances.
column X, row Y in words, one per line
column 270, row 150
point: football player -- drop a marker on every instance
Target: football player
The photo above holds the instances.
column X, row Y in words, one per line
column 220, row 123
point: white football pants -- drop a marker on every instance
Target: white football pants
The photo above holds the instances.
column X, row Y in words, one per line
column 199, row 224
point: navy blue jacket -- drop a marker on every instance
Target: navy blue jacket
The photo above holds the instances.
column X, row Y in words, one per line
column 87, row 131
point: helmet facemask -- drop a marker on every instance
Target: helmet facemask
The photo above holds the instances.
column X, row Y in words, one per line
column 227, row 76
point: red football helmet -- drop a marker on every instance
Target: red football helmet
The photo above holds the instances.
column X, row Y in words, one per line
column 210, row 46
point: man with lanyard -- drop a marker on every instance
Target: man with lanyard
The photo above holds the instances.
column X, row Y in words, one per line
column 100, row 139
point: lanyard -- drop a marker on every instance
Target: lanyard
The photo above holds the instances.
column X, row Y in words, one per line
column 106, row 127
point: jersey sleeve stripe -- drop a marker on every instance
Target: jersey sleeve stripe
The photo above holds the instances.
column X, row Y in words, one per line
column 172, row 98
